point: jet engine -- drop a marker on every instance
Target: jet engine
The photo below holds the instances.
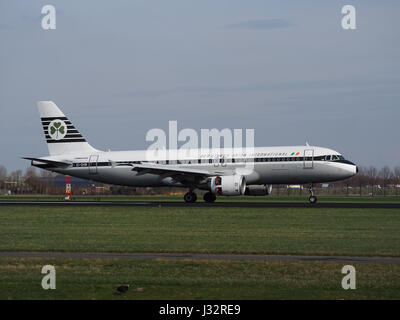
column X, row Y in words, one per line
column 258, row 190
column 234, row 185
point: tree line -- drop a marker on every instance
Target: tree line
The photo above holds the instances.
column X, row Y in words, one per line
column 369, row 181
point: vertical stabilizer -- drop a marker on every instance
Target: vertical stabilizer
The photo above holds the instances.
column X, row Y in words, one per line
column 61, row 135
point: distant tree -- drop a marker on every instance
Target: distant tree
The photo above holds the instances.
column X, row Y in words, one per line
column 30, row 172
column 396, row 173
column 3, row 176
column 384, row 174
column 360, row 179
column 372, row 174
column 16, row 176
column 47, row 182
column 14, row 181
column 3, row 173
column 31, row 180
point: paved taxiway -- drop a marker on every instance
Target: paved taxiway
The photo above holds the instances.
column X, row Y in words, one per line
column 204, row 204
column 199, row 256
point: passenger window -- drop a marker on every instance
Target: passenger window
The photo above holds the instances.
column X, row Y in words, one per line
column 327, row 158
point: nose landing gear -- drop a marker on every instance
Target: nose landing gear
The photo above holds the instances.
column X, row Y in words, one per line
column 312, row 198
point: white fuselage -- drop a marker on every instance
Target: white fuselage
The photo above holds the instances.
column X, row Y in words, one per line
column 269, row 165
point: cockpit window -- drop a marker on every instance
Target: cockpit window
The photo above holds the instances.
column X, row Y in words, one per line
column 334, row 157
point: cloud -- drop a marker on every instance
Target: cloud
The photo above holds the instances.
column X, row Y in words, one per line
column 263, row 24
column 317, row 86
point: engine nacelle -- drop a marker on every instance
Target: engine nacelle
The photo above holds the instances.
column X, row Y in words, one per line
column 258, row 190
column 234, row 185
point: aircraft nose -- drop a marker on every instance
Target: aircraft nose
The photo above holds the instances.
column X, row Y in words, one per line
column 353, row 169
column 350, row 170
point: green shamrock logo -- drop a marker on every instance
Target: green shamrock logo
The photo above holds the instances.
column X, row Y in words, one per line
column 57, row 129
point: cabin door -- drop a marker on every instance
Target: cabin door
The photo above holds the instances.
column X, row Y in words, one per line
column 93, row 164
column 308, row 162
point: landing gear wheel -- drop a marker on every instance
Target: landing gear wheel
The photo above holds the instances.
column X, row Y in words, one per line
column 209, row 197
column 312, row 199
column 190, row 197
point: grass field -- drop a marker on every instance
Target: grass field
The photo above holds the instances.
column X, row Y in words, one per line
column 316, row 231
column 161, row 279
column 282, row 198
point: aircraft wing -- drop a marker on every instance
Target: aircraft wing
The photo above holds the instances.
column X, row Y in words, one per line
column 184, row 175
column 159, row 168
column 49, row 162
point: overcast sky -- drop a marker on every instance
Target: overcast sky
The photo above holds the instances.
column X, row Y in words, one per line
column 285, row 68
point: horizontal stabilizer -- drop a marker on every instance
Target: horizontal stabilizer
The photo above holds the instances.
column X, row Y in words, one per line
column 50, row 162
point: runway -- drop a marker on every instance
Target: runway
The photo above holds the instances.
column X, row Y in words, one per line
column 365, row 205
column 201, row 256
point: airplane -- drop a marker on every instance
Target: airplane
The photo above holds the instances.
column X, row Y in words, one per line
column 218, row 171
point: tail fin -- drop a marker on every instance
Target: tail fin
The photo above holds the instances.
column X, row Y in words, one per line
column 61, row 135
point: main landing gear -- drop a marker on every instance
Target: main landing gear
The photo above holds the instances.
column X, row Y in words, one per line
column 312, row 198
column 209, row 197
column 190, row 197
